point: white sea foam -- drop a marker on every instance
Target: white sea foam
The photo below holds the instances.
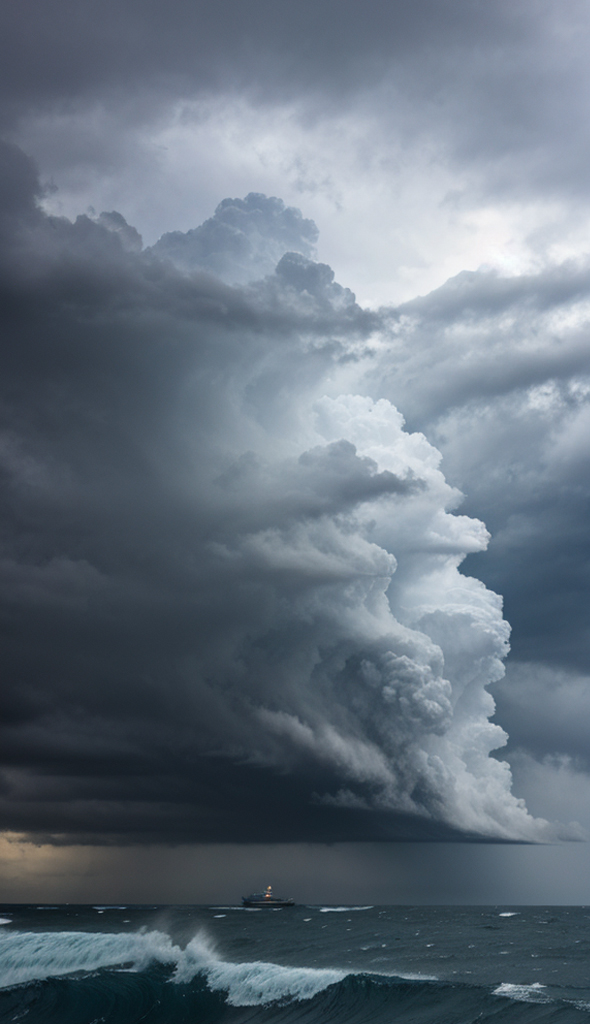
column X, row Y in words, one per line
column 5, row 920
column 534, row 993
column 509, row 913
column 412, row 976
column 341, row 910
column 35, row 956
column 252, row 984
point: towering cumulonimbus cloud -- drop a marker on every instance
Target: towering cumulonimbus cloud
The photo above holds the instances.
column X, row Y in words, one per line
column 232, row 594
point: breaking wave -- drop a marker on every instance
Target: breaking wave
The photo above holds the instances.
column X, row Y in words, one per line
column 27, row 957
column 72, row 977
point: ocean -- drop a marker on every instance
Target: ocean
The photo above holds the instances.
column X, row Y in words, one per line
column 314, row 964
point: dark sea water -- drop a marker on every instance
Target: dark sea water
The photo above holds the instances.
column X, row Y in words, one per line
column 314, row 964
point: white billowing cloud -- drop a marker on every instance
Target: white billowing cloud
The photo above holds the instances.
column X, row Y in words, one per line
column 243, row 241
column 496, row 371
column 399, row 646
column 430, row 643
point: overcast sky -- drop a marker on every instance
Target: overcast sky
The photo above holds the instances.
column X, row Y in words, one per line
column 295, row 399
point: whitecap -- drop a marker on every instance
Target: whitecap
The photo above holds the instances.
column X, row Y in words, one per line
column 411, row 976
column 523, row 993
column 510, row 913
column 252, row 984
column 34, row 956
column 340, row 910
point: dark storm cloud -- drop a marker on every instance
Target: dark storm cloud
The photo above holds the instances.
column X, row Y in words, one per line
column 230, row 603
column 559, row 725
column 483, row 336
column 200, row 527
column 77, row 49
column 499, row 88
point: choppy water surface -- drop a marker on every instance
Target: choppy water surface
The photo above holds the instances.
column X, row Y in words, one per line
column 169, row 965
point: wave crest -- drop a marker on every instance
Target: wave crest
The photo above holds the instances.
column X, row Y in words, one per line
column 27, row 957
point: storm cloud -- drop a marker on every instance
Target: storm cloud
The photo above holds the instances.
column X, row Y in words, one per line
column 230, row 573
column 500, row 89
column 247, row 589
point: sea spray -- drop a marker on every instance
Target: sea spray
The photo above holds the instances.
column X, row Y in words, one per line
column 27, row 957
column 252, row 984
column 35, row 956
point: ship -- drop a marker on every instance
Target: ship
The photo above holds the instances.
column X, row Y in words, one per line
column 266, row 899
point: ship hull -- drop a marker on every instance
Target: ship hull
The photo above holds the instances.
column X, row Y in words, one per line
column 267, row 903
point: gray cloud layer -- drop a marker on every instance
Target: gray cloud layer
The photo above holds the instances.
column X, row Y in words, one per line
column 232, row 604
column 499, row 88
column 74, row 50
